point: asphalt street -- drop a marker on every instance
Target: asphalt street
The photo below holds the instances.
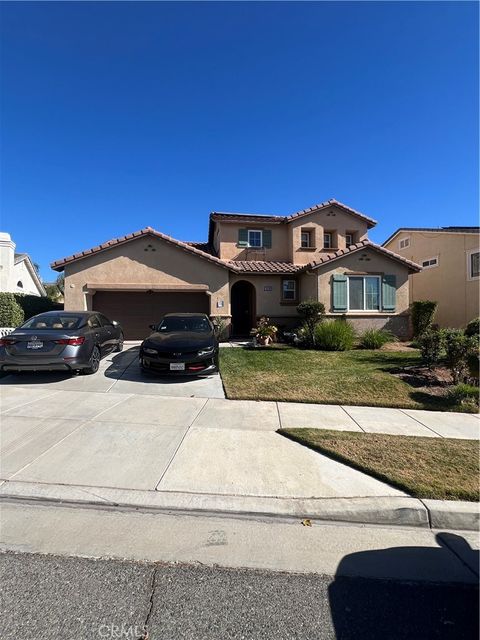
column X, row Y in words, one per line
column 64, row 598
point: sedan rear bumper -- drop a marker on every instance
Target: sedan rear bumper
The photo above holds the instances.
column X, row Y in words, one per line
column 60, row 364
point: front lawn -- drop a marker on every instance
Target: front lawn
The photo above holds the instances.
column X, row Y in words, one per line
column 437, row 468
column 357, row 377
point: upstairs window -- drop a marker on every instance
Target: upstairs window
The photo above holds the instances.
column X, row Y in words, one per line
column 404, row 243
column 255, row 238
column 431, row 262
column 306, row 239
column 473, row 264
column 327, row 240
column 349, row 238
column 289, row 290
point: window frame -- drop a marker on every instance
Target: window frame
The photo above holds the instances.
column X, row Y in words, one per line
column 406, row 242
column 430, row 266
column 364, row 277
column 295, row 291
column 255, row 246
column 470, row 254
column 330, row 235
column 309, row 234
column 352, row 236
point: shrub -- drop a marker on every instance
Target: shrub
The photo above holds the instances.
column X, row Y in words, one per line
column 465, row 394
column 11, row 313
column 458, row 348
column 473, row 366
column 312, row 312
column 423, row 312
column 334, row 335
column 375, row 338
column 32, row 305
column 473, row 328
column 431, row 345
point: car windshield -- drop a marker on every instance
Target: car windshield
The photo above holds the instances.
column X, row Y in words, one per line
column 58, row 321
column 195, row 324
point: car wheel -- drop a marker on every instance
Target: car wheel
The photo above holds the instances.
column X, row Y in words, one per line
column 94, row 362
column 119, row 346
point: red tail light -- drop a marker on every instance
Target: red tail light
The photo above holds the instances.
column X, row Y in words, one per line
column 5, row 342
column 74, row 342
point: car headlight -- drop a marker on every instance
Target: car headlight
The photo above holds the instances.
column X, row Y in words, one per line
column 152, row 352
column 206, row 352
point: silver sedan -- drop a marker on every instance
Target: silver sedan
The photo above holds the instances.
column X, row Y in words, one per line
column 61, row 341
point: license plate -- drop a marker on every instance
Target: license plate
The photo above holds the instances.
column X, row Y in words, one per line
column 34, row 344
column 177, row 366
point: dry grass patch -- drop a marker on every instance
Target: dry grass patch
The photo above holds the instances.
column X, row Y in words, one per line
column 437, row 468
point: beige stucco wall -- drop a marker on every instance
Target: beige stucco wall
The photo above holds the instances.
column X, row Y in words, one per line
column 147, row 261
column 331, row 220
column 227, row 244
column 286, row 237
column 366, row 261
column 448, row 283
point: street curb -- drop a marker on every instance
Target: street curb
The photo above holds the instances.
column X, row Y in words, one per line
column 396, row 510
column 453, row 514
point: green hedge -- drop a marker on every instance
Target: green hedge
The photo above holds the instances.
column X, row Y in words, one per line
column 11, row 313
column 32, row 305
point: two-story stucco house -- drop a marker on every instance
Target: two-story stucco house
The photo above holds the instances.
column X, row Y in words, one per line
column 251, row 265
column 450, row 275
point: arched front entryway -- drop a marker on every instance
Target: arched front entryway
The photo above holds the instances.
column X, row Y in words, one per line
column 243, row 302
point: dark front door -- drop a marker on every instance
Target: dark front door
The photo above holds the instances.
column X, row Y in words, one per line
column 243, row 308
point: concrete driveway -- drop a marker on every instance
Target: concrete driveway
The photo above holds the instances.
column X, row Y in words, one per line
column 120, row 373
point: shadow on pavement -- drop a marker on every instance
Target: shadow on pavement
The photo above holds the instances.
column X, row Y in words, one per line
column 407, row 609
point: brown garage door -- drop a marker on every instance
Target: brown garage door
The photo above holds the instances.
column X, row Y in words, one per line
column 136, row 310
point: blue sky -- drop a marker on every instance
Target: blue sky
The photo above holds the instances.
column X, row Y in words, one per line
column 117, row 116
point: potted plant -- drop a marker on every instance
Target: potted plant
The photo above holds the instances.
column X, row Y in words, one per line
column 264, row 333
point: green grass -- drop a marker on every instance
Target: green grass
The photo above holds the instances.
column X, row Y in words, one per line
column 358, row 377
column 437, row 468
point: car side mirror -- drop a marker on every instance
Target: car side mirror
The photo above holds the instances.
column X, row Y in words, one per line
column 152, row 326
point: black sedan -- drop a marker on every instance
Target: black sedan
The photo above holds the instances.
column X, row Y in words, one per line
column 181, row 344
column 61, row 341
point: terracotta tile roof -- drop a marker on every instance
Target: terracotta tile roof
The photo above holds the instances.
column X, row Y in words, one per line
column 328, row 203
column 364, row 244
column 259, row 266
column 262, row 218
column 58, row 265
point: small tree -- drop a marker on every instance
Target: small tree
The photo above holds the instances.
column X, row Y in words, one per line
column 11, row 313
column 312, row 313
column 423, row 312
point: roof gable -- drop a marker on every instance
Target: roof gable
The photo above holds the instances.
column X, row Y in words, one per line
column 360, row 246
column 59, row 265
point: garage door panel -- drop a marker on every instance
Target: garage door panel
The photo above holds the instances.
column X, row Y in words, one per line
column 135, row 311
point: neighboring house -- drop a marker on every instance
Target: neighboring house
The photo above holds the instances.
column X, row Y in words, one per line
column 252, row 265
column 17, row 271
column 449, row 257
